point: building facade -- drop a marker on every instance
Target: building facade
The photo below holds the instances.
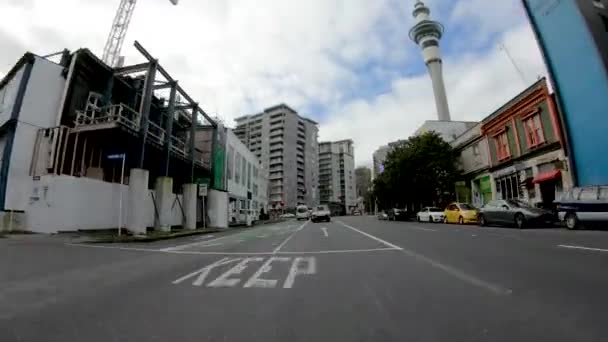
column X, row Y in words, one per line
column 474, row 162
column 337, row 174
column 526, row 154
column 286, row 145
column 574, row 41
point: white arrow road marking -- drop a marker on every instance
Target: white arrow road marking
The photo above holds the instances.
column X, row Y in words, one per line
column 324, row 229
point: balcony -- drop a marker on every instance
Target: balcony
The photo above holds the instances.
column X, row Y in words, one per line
column 111, row 116
column 276, row 176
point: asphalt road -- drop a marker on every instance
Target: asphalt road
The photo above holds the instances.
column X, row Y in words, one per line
column 354, row 279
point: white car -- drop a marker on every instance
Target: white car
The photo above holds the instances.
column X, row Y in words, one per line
column 302, row 212
column 321, row 213
column 430, row 214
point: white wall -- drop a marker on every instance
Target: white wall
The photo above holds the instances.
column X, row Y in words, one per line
column 57, row 203
column 217, row 208
column 71, row 203
column 239, row 190
column 39, row 109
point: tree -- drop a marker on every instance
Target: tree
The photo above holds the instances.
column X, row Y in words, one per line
column 418, row 171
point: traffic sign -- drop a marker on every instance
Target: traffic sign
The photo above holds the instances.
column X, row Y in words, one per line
column 202, row 190
column 116, row 156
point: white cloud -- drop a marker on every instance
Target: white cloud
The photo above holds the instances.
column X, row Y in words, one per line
column 477, row 84
column 240, row 56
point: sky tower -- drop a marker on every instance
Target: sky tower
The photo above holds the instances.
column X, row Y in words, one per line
column 427, row 33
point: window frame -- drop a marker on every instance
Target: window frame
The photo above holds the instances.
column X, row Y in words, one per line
column 534, row 130
column 501, row 141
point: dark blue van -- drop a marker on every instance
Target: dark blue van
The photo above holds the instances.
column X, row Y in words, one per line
column 585, row 204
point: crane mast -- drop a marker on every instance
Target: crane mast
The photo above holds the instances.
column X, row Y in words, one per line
column 111, row 52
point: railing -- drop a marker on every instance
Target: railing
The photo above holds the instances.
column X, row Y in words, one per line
column 118, row 113
column 155, row 133
column 178, row 146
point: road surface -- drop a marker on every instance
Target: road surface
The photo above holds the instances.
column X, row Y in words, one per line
column 354, row 279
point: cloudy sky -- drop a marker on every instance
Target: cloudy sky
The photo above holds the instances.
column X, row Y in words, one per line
column 348, row 64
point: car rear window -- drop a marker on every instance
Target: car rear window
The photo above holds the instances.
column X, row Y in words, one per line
column 302, row 209
column 465, row 206
column 320, row 208
column 435, row 210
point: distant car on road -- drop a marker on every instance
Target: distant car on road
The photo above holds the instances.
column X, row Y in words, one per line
column 430, row 214
column 382, row 215
column 321, row 213
column 288, row 215
column 513, row 212
column 460, row 213
column 302, row 212
column 583, row 205
column 396, row 214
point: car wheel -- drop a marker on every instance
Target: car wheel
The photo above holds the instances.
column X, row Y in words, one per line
column 418, row 218
column 520, row 221
column 571, row 221
column 482, row 220
column 431, row 220
column 460, row 220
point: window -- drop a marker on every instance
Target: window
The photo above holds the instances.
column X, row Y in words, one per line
column 244, row 169
column 502, row 146
column 249, row 176
column 589, row 194
column 230, row 163
column 255, row 172
column 476, row 149
column 508, row 187
column 255, row 190
column 237, row 168
column 534, row 131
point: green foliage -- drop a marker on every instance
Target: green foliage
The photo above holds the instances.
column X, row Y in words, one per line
column 419, row 171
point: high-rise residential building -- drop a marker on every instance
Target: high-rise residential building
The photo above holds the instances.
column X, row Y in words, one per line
column 286, row 145
column 337, row 174
column 427, row 34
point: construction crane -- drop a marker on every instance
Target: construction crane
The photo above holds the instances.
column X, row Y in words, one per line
column 111, row 51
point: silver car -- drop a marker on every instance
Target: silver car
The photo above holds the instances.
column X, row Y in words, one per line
column 514, row 212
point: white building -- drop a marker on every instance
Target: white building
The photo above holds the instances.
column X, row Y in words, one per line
column 246, row 178
column 337, row 183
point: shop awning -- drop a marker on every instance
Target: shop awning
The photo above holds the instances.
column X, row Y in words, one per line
column 547, row 176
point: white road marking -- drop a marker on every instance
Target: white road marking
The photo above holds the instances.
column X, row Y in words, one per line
column 296, row 270
column 224, row 281
column 288, row 238
column 203, row 272
column 262, row 236
column 113, row 247
column 212, row 244
column 256, row 281
column 285, row 253
column 459, row 274
column 584, row 248
column 192, row 244
column 204, row 237
column 324, row 229
column 370, row 236
column 423, row 228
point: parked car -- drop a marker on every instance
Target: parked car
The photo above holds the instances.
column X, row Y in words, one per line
column 302, row 212
column 460, row 213
column 430, row 214
column 396, row 214
column 382, row 215
column 288, row 215
column 321, row 213
column 513, row 212
column 582, row 205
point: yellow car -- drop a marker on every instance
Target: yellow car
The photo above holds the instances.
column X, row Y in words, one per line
column 460, row 213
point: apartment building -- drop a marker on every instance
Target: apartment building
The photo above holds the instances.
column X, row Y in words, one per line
column 337, row 174
column 286, row 145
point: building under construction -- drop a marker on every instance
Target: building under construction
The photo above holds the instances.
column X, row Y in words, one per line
column 67, row 121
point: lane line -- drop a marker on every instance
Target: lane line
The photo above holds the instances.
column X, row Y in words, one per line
column 192, row 244
column 584, row 248
column 339, row 251
column 496, row 289
column 370, row 236
column 204, row 237
column 289, row 237
column 499, row 290
column 324, row 229
column 423, row 228
column 345, row 251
